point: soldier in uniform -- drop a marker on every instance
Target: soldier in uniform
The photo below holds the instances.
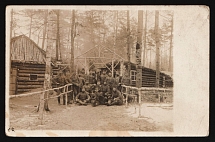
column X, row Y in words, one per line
column 60, row 79
column 95, row 98
column 117, row 82
column 98, row 86
column 83, row 97
column 82, row 81
column 117, row 98
column 76, row 82
column 87, row 87
column 110, row 81
column 103, row 77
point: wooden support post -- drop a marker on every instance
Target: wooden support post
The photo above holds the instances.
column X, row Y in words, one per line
column 121, row 68
column 139, row 98
column 112, row 67
column 126, row 98
column 66, row 88
column 157, row 48
column 85, row 65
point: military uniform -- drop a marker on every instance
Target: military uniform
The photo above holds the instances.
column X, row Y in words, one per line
column 88, row 88
column 82, row 98
column 117, row 98
column 103, row 78
column 76, row 82
column 110, row 82
column 60, row 80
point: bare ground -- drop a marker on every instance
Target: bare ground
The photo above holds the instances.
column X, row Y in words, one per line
column 23, row 116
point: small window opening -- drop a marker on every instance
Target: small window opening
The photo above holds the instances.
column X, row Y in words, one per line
column 33, row 77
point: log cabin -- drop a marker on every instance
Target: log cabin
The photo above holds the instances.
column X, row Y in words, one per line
column 148, row 75
column 27, row 68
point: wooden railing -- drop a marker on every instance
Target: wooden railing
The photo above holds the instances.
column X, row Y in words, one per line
column 138, row 92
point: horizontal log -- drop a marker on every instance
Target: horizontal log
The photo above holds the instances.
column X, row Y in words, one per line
column 23, row 90
column 28, row 65
column 31, row 68
column 27, row 75
column 31, row 72
column 21, row 80
column 30, row 83
column 28, row 78
column 29, row 87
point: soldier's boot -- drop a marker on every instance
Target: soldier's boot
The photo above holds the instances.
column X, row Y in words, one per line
column 109, row 103
column 93, row 103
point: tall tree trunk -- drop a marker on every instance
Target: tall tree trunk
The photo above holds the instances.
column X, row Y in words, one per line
column 30, row 25
column 145, row 30
column 57, row 36
column 139, row 49
column 47, row 82
column 170, row 50
column 128, row 44
column 11, row 24
column 44, row 29
column 157, row 42
column 72, row 41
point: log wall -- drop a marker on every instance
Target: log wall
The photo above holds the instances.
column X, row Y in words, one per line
column 23, row 81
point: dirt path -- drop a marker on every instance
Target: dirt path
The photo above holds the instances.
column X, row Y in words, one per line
column 117, row 118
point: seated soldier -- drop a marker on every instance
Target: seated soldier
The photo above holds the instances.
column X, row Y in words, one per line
column 98, row 86
column 95, row 98
column 82, row 98
column 117, row 98
column 87, row 87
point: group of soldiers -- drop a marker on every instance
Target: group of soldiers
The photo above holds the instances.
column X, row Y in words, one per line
column 96, row 88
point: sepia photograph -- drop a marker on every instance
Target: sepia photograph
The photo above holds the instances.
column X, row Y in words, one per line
column 96, row 70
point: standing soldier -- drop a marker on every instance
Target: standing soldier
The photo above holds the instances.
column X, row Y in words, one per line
column 98, row 86
column 103, row 77
column 75, row 81
column 117, row 82
column 82, row 81
column 98, row 76
column 110, row 81
column 91, row 78
column 117, row 98
column 60, row 79
column 105, row 90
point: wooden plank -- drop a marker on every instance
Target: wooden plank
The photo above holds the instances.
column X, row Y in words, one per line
column 32, row 68
column 29, row 87
column 28, row 74
column 28, row 79
column 26, row 64
column 28, row 83
column 23, row 90
column 32, row 72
